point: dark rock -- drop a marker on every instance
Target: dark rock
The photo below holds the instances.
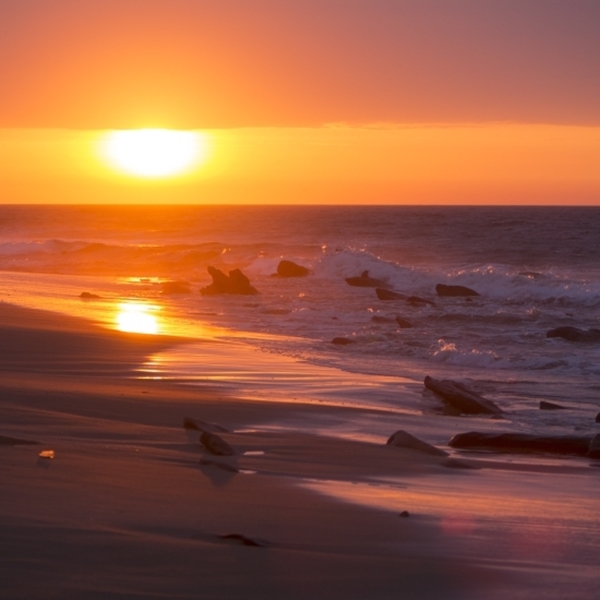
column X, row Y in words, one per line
column 522, row 442
column 461, row 397
column 404, row 514
column 235, row 283
column 417, row 301
column 287, row 268
column 365, row 281
column 574, row 334
column 403, row 439
column 341, row 341
column 175, row 287
column 594, row 447
column 385, row 294
column 544, row 405
column 454, row 290
column 240, row 283
column 403, row 323
column 89, row 296
column 197, row 425
column 215, row 444
column 11, row 441
column 244, row 540
column 598, row 418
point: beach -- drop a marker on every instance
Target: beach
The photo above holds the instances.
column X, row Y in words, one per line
column 299, row 300
column 132, row 505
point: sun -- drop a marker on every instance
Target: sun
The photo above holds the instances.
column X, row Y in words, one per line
column 155, row 153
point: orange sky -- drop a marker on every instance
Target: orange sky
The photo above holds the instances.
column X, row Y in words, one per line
column 437, row 101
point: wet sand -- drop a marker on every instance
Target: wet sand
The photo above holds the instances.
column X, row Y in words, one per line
column 133, row 506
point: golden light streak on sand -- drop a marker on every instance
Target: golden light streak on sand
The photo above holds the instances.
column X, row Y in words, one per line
column 135, row 317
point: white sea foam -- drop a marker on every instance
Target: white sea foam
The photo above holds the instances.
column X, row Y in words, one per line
column 449, row 353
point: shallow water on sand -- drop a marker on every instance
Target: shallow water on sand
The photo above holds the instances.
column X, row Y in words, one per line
column 534, row 268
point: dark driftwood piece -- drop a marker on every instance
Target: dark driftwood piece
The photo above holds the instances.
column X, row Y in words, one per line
column 215, row 444
column 574, row 334
column 460, row 397
column 197, row 425
column 244, row 540
column 385, row 294
column 545, row 405
column 522, row 442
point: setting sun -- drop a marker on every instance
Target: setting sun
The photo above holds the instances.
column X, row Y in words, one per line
column 155, row 153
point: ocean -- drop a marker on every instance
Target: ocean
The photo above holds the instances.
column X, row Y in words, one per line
column 534, row 268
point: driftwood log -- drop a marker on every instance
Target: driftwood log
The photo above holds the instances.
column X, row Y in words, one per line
column 525, row 443
column 460, row 397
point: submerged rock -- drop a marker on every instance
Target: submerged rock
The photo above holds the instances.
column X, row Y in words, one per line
column 545, row 405
column 522, row 442
column 403, row 439
column 574, row 334
column 364, row 280
column 234, row 283
column 403, row 323
column 175, row 287
column 454, row 290
column 460, row 397
column 287, row 268
column 418, row 301
column 385, row 294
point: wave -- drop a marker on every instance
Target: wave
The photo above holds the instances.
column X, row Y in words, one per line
column 496, row 282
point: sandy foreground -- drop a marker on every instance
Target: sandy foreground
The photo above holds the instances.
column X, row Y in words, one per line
column 126, row 509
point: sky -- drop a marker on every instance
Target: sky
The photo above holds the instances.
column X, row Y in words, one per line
column 343, row 101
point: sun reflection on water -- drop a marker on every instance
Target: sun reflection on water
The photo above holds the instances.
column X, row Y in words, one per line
column 136, row 317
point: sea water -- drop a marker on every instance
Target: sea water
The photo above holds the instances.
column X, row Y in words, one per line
column 534, row 268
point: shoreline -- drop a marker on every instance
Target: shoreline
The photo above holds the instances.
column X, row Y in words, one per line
column 127, row 509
